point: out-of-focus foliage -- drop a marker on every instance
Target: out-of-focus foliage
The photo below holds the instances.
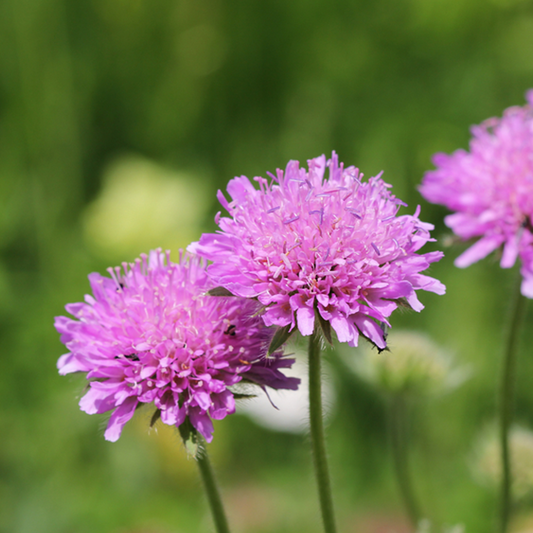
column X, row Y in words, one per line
column 486, row 462
column 412, row 365
column 105, row 103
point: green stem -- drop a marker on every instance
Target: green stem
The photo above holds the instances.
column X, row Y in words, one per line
column 213, row 495
column 506, row 399
column 398, row 430
column 317, row 435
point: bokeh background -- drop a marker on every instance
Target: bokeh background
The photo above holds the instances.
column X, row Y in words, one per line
column 119, row 120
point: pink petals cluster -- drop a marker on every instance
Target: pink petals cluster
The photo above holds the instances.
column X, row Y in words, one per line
column 150, row 333
column 490, row 189
column 302, row 244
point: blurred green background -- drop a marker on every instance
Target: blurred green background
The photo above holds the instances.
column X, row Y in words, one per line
column 119, row 120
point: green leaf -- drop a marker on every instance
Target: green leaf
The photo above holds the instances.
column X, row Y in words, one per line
column 189, row 436
column 279, row 339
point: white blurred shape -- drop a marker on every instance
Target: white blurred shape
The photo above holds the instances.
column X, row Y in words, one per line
column 292, row 413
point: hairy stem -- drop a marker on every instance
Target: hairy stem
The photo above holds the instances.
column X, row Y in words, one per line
column 211, row 489
column 506, row 399
column 317, row 435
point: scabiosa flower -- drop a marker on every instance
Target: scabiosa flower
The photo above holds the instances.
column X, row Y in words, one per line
column 302, row 244
column 151, row 333
column 491, row 190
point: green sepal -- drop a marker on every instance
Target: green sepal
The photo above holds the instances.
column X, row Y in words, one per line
column 325, row 327
column 155, row 417
column 219, row 291
column 189, row 436
column 242, row 396
column 401, row 302
column 260, row 311
column 279, row 339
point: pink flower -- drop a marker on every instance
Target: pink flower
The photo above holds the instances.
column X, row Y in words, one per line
column 152, row 334
column 491, row 190
column 304, row 245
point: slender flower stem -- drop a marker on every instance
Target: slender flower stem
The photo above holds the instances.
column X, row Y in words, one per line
column 317, row 435
column 398, row 430
column 506, row 399
column 211, row 489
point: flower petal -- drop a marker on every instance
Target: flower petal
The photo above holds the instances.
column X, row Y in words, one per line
column 305, row 317
column 201, row 421
column 120, row 416
column 371, row 331
column 478, row 251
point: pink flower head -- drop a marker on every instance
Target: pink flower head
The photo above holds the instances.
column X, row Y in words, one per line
column 491, row 190
column 302, row 244
column 151, row 333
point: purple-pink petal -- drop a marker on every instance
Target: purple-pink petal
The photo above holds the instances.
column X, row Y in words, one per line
column 527, row 287
column 510, row 252
column 70, row 363
column 371, row 331
column 152, row 333
column 97, row 401
column 201, row 421
column 478, row 251
column 118, row 419
column 305, row 317
column 490, row 189
column 303, row 240
column 341, row 326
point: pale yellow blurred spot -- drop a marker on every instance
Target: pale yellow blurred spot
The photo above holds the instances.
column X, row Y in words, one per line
column 522, row 524
column 143, row 206
column 487, row 465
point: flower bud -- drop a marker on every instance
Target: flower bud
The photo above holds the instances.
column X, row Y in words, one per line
column 413, row 364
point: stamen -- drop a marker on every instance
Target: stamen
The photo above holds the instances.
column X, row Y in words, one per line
column 354, row 213
column 320, row 212
column 289, row 220
column 294, row 246
column 327, row 193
